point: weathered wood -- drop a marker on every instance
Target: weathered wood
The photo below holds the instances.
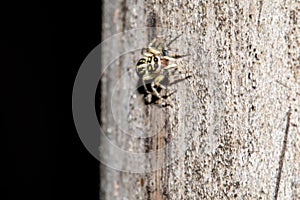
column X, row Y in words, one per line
column 235, row 123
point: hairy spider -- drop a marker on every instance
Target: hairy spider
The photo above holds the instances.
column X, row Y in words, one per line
column 155, row 67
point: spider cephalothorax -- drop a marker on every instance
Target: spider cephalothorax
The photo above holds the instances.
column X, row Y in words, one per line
column 154, row 68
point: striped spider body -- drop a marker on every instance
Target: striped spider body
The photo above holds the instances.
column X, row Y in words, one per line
column 154, row 68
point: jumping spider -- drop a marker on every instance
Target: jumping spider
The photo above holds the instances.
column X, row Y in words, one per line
column 155, row 67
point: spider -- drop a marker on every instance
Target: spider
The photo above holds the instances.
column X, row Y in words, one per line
column 155, row 67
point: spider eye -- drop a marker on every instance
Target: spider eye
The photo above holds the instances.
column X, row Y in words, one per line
column 155, row 59
column 165, row 52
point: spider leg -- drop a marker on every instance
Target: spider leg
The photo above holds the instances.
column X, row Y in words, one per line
column 158, row 40
column 150, row 51
column 169, row 58
column 173, row 66
column 174, row 40
column 144, row 84
column 169, row 92
column 157, row 82
column 152, row 42
column 174, row 57
column 154, row 51
column 146, row 52
column 179, row 77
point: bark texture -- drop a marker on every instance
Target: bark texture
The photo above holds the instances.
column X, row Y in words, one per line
column 235, row 123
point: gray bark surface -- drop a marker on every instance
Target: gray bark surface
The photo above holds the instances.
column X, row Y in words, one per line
column 235, row 122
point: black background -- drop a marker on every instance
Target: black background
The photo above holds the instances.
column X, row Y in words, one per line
column 43, row 46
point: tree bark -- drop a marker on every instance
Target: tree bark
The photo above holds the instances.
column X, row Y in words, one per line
column 234, row 128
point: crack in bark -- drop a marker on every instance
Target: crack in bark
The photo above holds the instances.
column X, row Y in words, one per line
column 259, row 14
column 284, row 85
column 124, row 11
column 282, row 155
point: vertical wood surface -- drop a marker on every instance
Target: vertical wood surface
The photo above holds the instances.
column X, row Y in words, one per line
column 237, row 117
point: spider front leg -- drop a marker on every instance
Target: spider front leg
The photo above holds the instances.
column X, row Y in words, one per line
column 157, row 42
column 175, row 78
column 150, row 51
column 168, row 58
column 179, row 76
column 174, row 67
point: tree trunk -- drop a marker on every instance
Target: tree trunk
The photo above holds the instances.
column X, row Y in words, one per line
column 233, row 131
